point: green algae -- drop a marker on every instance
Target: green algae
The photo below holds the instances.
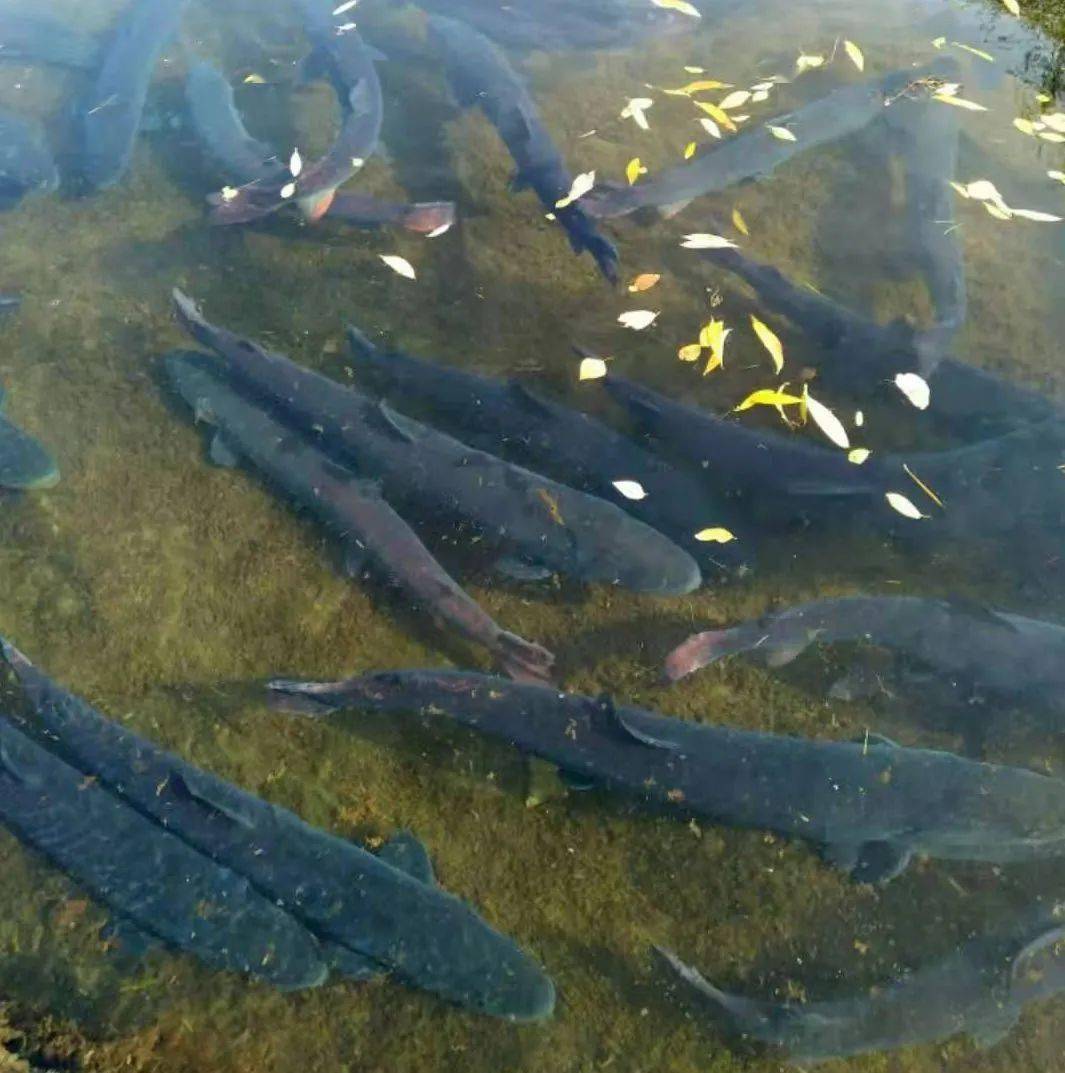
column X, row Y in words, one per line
column 165, row 591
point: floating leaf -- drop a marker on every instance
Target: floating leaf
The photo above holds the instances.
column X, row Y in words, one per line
column 694, row 70
column 1052, row 136
column 858, row 455
column 400, row 265
column 736, row 99
column 1058, row 176
column 939, row 42
column 701, row 86
column 959, row 188
column 287, row 190
column 591, row 369
column 254, row 80
column 679, row 5
column 924, row 487
column 770, row 341
column 782, row 133
column 707, row 242
column 809, row 63
column 346, row 6
column 722, row 118
column 826, row 421
column 739, row 222
column 958, row 102
column 689, row 149
column 635, row 110
column 1012, row 6
column 229, row 192
column 759, row 95
column 581, row 185
column 1055, row 121
column 638, row 319
column 630, row 489
column 634, row 169
column 717, row 535
column 859, row 419
column 295, row 163
column 712, row 337
column 644, row 282
column 1025, row 126
column 710, row 127
column 857, row 57
column 690, row 352
column 975, row 51
column 915, row 388
column 768, row 397
column 1039, row 217
column 897, row 501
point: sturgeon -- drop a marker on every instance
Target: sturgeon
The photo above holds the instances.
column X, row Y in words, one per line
column 979, row 988
column 871, row 805
column 153, row 881
column 480, row 74
column 374, row 535
column 372, row 914
column 543, row 525
column 24, row 463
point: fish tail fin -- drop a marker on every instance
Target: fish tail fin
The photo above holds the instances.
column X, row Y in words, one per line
column 524, row 661
column 428, row 216
column 292, row 695
column 583, row 236
column 702, row 649
column 313, row 208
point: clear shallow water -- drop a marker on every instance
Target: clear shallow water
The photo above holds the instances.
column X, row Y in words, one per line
column 165, row 591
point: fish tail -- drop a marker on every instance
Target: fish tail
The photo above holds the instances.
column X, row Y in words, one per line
column 702, row 649
column 583, row 236
column 428, row 216
column 317, row 205
column 524, row 661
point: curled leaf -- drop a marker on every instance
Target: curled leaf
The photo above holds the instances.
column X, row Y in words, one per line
column 924, row 487
column 897, row 501
column 739, row 222
column 768, row 396
column 637, row 319
column 635, row 109
column 254, row 80
column 808, row 63
column 679, row 5
column 400, row 265
column 580, row 186
column 769, row 340
column 630, row 489
column 716, row 535
column 634, row 169
column 697, row 87
column 915, row 388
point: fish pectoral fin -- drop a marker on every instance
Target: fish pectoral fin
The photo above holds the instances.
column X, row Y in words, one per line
column 1047, row 940
column 607, row 715
column 520, row 569
column 220, row 453
column 578, row 783
column 527, row 399
column 981, row 612
column 544, row 782
column 880, row 862
column 399, row 426
column 674, row 207
column 407, row 853
column 355, row 556
column 348, row 963
column 202, row 791
column 993, row 1027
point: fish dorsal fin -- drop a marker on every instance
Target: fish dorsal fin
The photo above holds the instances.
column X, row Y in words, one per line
column 220, row 453
column 203, row 791
column 527, row 398
column 407, row 853
column 1025, row 956
column 966, row 605
column 401, row 427
column 607, row 716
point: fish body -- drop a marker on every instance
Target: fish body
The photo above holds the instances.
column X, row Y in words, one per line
column 370, row 916
column 24, row 463
column 110, row 113
column 505, row 418
column 37, row 38
column 480, row 74
column 373, row 533
column 756, row 152
column 9, row 303
column 26, row 163
column 545, row 524
column 146, row 875
column 979, row 988
column 871, row 805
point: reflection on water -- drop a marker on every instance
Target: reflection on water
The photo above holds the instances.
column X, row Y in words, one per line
column 415, row 417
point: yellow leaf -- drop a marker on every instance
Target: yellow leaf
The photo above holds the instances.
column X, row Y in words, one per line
column 679, row 5
column 714, row 362
column 1025, row 126
column 782, row 133
column 960, row 188
column 1057, row 176
column 591, row 369
column 694, row 70
column 634, row 169
column 735, row 100
column 899, row 502
column 717, row 115
column 915, row 388
column 826, row 421
column 254, row 80
column 769, row 340
column 717, row 535
column 958, row 102
column 697, row 87
column 1012, row 6
column 739, row 222
column 644, row 282
column 690, row 352
column 924, row 487
column 975, row 51
column 768, row 396
column 858, row 455
column 400, row 265
column 856, row 55
column 689, row 150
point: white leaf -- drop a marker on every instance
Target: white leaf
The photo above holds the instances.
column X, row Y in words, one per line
column 899, row 502
column 346, row 6
column 1012, row 6
column 591, row 369
column 438, row 231
column 637, row 319
column 859, row 419
column 679, row 5
column 287, row 190
column 295, row 163
column 630, row 489
column 1039, row 217
column 827, row 422
column 915, row 388
column 710, row 127
column 581, row 185
column 782, row 133
column 399, row 265
column 735, row 99
column 1057, row 176
column 716, row 535
column 858, row 455
column 707, row 242
column 635, row 109
column 1055, row 121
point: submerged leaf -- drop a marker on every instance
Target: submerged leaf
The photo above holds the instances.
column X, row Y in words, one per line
column 634, row 169
column 975, row 51
column 924, row 487
column 591, row 369
column 637, row 319
column 718, row 115
column 915, row 388
column 808, row 63
column 782, row 133
column 711, row 128
column 630, row 489
column 707, row 242
column 697, row 87
column 690, row 352
column 295, row 163
column 897, row 501
column 770, row 341
column 716, row 535
column 826, row 421
column 254, row 80
column 958, row 102
column 857, row 57
column 689, row 149
column 858, row 455
column 644, row 282
column 399, row 265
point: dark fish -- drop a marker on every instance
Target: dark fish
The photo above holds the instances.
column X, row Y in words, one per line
column 556, row 25
column 480, row 74
column 757, row 152
column 243, row 159
column 26, row 163
column 856, row 354
column 979, row 988
column 546, row 525
column 39, row 39
column 349, row 64
column 373, row 913
column 982, row 652
column 870, row 804
column 373, row 534
column 24, row 463
column 505, row 418
column 110, row 114
column 156, row 883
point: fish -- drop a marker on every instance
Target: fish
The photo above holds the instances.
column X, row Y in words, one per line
column 982, row 652
column 756, row 152
column 26, row 162
column 9, row 303
column 348, row 61
column 479, row 74
column 25, row 465
column 542, row 526
column 37, row 38
column 855, row 354
column 556, row 25
column 244, row 159
column 374, row 535
column 110, row 113
column 371, row 914
column 979, row 988
column 506, row 418
column 155, row 884
column 869, row 805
